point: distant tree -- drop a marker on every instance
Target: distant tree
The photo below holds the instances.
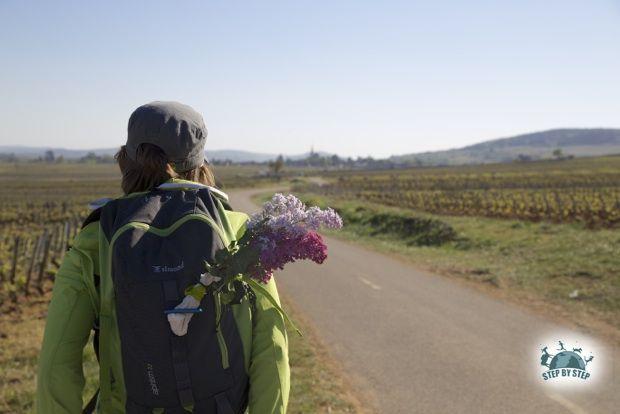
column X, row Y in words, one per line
column 523, row 158
column 558, row 154
column 8, row 157
column 277, row 165
column 89, row 158
column 106, row 159
column 60, row 159
column 49, row 156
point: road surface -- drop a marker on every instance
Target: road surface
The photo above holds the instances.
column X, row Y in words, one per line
column 419, row 343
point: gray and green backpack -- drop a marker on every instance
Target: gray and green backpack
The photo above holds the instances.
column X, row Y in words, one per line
column 152, row 246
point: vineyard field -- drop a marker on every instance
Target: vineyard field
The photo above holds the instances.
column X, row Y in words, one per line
column 585, row 190
column 42, row 207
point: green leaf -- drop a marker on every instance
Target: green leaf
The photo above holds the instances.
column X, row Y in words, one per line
column 226, row 297
column 257, row 287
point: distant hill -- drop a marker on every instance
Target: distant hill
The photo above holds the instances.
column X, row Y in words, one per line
column 232, row 155
column 534, row 146
column 537, row 145
column 35, row 152
column 247, row 156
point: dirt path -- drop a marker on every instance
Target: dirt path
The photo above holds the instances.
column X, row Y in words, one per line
column 419, row 343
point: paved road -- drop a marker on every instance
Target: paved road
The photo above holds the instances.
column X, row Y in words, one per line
column 419, row 343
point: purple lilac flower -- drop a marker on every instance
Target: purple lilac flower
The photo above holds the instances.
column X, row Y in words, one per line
column 290, row 213
column 288, row 248
column 285, row 231
column 328, row 218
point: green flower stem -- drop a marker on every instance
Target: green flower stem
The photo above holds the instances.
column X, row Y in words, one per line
column 256, row 286
column 231, row 264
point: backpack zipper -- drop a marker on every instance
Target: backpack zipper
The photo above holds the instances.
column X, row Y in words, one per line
column 218, row 331
column 166, row 231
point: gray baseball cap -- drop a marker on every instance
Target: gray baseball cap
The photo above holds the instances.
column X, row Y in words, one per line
column 174, row 127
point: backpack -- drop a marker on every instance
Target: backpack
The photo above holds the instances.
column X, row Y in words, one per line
column 158, row 242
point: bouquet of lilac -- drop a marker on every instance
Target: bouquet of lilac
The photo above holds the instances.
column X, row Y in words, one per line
column 284, row 231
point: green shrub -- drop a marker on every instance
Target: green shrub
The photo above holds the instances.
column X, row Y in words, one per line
column 413, row 230
column 376, row 221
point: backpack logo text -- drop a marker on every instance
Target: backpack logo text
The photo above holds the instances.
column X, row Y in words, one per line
column 168, row 269
column 151, row 376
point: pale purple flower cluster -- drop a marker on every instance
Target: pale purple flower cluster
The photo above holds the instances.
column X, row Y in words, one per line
column 290, row 213
column 285, row 231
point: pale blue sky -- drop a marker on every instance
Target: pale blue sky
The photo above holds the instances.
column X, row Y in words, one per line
column 352, row 77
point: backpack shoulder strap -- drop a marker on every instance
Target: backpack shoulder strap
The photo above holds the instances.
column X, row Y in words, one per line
column 93, row 217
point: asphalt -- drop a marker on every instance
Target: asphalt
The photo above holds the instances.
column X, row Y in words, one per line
column 413, row 342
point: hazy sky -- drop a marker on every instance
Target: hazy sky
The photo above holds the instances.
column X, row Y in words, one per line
column 352, row 77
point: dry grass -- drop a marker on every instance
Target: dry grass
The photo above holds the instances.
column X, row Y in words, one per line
column 21, row 332
column 317, row 382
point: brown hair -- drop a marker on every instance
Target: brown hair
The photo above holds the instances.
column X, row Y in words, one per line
column 151, row 168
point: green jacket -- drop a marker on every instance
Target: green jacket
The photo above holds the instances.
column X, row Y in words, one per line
column 76, row 304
